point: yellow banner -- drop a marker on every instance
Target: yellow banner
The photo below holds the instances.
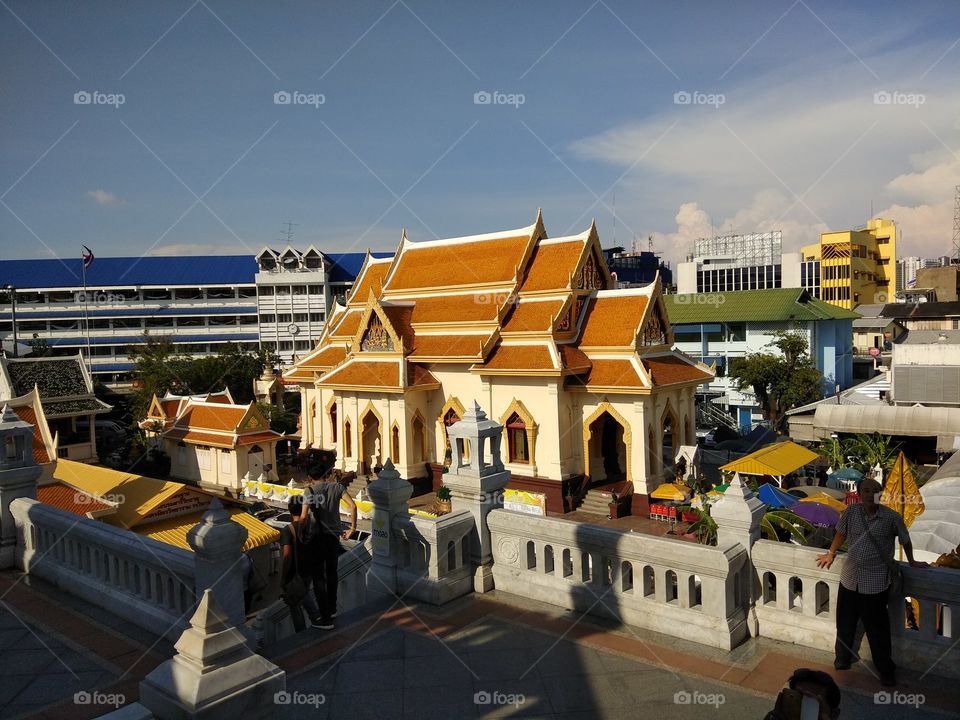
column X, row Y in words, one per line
column 530, row 503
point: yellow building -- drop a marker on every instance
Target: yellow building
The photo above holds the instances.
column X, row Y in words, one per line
column 857, row 266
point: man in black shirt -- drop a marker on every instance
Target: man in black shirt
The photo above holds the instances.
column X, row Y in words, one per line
column 322, row 500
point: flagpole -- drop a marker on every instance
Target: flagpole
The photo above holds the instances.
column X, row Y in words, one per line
column 86, row 319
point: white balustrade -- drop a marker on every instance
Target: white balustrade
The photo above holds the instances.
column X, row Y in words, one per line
column 667, row 585
column 433, row 556
column 146, row 582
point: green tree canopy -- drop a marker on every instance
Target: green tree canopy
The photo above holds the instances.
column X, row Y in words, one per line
column 779, row 381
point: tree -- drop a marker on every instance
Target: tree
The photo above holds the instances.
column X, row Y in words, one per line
column 779, row 381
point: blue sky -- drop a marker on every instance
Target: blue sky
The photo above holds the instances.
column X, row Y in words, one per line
column 783, row 128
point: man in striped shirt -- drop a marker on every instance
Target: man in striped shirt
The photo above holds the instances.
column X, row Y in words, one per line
column 871, row 529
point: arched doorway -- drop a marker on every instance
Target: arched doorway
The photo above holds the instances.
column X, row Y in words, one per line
column 608, row 450
column 255, row 461
column 370, row 443
column 671, row 437
column 419, row 439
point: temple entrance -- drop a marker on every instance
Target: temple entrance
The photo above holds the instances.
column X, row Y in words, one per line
column 671, row 438
column 608, row 451
column 255, row 461
column 370, row 443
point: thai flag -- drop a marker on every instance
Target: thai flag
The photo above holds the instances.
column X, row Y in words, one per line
column 87, row 257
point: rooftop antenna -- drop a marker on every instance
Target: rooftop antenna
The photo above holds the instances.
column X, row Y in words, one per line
column 650, row 243
column 288, row 233
column 956, row 226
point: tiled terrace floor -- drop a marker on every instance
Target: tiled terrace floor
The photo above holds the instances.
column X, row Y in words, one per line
column 391, row 660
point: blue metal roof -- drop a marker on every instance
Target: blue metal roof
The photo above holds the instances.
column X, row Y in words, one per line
column 112, row 367
column 23, row 316
column 346, row 266
column 127, row 271
column 139, row 340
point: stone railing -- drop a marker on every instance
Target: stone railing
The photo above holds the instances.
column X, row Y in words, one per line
column 797, row 602
column 433, row 556
column 671, row 586
column 146, row 582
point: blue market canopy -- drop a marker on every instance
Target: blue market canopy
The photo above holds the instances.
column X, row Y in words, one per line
column 776, row 498
column 846, row 474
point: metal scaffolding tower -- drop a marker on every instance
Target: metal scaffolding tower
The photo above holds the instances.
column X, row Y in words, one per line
column 956, row 226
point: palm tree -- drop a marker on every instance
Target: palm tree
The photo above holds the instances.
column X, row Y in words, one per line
column 873, row 449
column 795, row 526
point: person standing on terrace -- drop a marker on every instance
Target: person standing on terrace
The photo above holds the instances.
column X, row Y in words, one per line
column 870, row 530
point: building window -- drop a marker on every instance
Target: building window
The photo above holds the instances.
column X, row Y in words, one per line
column 316, row 289
column 268, row 318
column 265, row 291
column 517, row 440
column 225, row 465
column 283, row 290
column 299, row 289
column 316, row 317
column 333, row 422
column 347, row 440
column 284, row 318
column 286, row 345
column 301, row 344
column 395, row 444
column 203, row 458
column 300, row 317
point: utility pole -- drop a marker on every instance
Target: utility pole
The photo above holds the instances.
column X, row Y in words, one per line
column 288, row 233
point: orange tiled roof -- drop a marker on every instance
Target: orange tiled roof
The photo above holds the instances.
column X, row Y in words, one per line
column 418, row 376
column 372, row 279
column 527, row 316
column 573, row 358
column 368, row 374
column 254, row 438
column 200, row 438
column 225, row 418
column 220, row 397
column 347, row 327
column 552, row 265
column 612, row 321
column 329, row 357
column 669, row 369
column 27, row 414
column 479, row 261
column 610, row 373
column 448, row 345
column 399, row 316
column 458, row 308
column 519, row 357
column 70, row 499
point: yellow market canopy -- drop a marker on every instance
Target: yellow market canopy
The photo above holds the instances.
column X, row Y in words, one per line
column 671, row 491
column 776, row 460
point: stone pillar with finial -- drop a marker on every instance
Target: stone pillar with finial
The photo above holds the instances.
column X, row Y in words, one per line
column 218, row 544
column 18, row 477
column 477, row 485
column 738, row 514
column 214, row 674
column 389, row 493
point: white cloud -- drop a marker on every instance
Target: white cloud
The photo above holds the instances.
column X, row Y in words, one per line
column 104, row 198
column 203, row 249
column 801, row 151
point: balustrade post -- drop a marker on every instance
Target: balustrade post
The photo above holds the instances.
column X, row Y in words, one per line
column 738, row 514
column 18, row 477
column 477, row 486
column 218, row 542
column 389, row 494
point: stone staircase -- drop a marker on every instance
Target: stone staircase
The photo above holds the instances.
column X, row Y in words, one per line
column 597, row 500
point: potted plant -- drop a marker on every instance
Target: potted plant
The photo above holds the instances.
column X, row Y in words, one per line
column 443, row 499
column 619, row 505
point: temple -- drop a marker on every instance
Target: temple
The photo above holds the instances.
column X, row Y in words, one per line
column 580, row 374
